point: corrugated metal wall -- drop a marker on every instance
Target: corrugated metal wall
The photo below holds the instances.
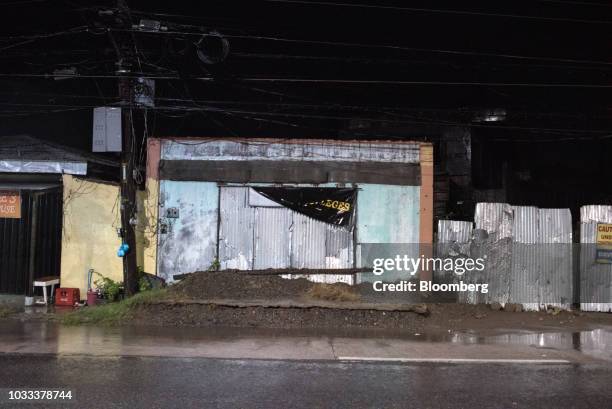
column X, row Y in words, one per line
column 454, row 231
column 235, row 230
column 265, row 235
column 538, row 244
column 454, row 238
column 595, row 278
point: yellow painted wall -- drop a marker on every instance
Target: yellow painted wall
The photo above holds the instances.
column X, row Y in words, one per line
column 89, row 239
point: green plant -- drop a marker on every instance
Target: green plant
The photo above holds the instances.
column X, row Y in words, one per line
column 143, row 283
column 114, row 313
column 109, row 288
column 214, row 266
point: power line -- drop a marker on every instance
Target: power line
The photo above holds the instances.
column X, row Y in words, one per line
column 422, row 121
column 400, row 61
column 387, row 110
column 425, row 122
column 440, row 11
column 320, row 80
column 32, row 38
column 578, row 3
column 379, row 46
column 398, row 82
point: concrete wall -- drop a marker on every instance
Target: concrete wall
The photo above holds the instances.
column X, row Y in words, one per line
column 188, row 242
column 89, row 236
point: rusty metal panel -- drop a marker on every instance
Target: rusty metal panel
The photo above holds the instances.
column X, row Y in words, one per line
column 304, row 150
column 595, row 278
column 235, row 229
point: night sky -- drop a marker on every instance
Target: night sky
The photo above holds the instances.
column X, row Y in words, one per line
column 314, row 69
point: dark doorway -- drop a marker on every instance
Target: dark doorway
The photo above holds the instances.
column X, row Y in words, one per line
column 30, row 246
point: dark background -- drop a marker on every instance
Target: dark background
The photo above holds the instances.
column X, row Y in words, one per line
column 545, row 63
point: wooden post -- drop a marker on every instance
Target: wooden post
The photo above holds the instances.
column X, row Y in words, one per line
column 128, row 186
column 426, row 207
column 33, row 238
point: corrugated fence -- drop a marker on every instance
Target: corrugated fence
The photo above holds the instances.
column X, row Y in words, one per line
column 595, row 278
column 528, row 254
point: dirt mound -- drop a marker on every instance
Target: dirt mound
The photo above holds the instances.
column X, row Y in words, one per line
column 226, row 284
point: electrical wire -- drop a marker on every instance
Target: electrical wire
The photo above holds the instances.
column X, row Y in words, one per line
column 439, row 11
column 320, row 80
column 376, row 46
column 403, row 61
column 335, row 117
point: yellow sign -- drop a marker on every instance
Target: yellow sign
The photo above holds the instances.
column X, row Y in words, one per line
column 604, row 243
column 10, row 205
column 604, row 234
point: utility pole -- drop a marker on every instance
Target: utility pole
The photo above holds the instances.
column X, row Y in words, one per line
column 128, row 185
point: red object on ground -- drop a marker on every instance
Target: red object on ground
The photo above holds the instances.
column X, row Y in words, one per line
column 67, row 296
column 92, row 296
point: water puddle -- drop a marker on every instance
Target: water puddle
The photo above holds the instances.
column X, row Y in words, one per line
column 46, row 337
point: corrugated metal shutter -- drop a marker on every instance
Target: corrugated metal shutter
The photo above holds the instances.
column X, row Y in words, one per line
column 15, row 236
column 261, row 237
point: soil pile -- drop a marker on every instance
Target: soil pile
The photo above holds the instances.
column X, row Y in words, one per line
column 232, row 285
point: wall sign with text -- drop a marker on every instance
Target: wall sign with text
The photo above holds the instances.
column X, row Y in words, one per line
column 329, row 205
column 10, row 205
column 604, row 243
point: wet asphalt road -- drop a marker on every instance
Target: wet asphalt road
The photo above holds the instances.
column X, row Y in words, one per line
column 217, row 383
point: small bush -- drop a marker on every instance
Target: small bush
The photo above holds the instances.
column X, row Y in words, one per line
column 113, row 313
column 110, row 289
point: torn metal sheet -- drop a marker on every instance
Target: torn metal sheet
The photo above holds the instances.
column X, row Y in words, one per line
column 494, row 218
column 454, row 231
column 528, row 255
column 454, row 238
